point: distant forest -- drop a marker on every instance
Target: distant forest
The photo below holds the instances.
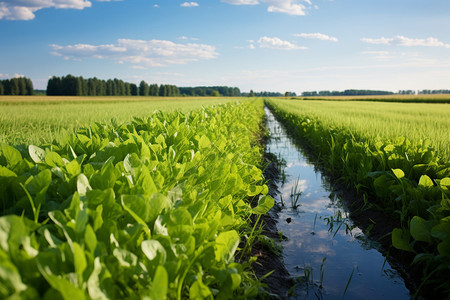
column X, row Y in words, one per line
column 16, row 86
column 346, row 93
column 372, row 93
column 78, row 86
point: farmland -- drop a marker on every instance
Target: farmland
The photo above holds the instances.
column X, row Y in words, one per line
column 120, row 197
column 422, row 98
column 41, row 119
column 151, row 207
column 396, row 156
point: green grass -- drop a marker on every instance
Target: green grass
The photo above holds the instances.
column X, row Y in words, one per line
column 436, row 98
column 381, row 121
column 42, row 119
column 379, row 150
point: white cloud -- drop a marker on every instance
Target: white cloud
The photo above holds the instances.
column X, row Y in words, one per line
column 317, row 36
column 156, row 5
column 241, row 2
column 25, row 9
column 407, row 42
column 290, row 7
column 8, row 76
column 183, row 37
column 146, row 53
column 276, row 43
column 189, row 4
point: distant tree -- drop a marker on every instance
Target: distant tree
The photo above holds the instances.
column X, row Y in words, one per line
column 143, row 88
column 287, row 94
column 252, row 94
column 215, row 93
column 29, row 86
column 134, row 90
column 127, row 88
column 153, row 90
column 2, row 90
column 109, row 87
column 162, row 90
column 92, row 86
column 14, row 86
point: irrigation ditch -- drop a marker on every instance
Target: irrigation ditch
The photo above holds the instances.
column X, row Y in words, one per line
column 326, row 250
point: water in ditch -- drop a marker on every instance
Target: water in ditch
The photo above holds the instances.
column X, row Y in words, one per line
column 325, row 253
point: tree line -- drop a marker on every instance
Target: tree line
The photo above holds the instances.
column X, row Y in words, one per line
column 211, row 91
column 425, row 92
column 16, row 86
column 346, row 93
column 78, row 86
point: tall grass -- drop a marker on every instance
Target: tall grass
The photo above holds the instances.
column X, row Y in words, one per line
column 41, row 119
column 381, row 121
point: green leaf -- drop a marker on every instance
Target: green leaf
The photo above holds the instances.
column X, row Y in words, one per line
column 425, row 181
column 5, row 172
column 37, row 154
column 398, row 173
column 199, row 291
column 48, row 264
column 73, row 168
column 400, row 239
column 152, row 249
column 226, row 245
column 83, row 185
column 53, row 159
column 441, row 231
column 265, row 203
column 444, row 248
column 12, row 155
column 445, row 183
column 204, row 142
column 80, row 262
column 40, row 182
column 138, row 208
column 419, row 230
column 12, row 230
column 160, row 284
column 93, row 284
column 10, row 279
column 131, row 163
column 126, row 258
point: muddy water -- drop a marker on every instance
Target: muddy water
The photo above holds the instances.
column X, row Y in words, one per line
column 327, row 255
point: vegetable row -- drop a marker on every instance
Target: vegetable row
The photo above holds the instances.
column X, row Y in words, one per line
column 150, row 209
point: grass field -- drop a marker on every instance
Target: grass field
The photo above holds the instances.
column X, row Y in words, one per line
column 396, row 155
column 436, row 98
column 41, row 119
column 378, row 120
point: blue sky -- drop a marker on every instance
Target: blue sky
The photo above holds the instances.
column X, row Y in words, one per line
column 264, row 45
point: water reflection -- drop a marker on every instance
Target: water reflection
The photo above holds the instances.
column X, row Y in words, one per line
column 324, row 249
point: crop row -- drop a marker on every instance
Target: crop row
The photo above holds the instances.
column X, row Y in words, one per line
column 407, row 181
column 148, row 209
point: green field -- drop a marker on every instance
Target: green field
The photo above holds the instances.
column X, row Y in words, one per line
column 381, row 121
column 149, row 208
column 41, row 119
column 396, row 156
column 428, row 98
